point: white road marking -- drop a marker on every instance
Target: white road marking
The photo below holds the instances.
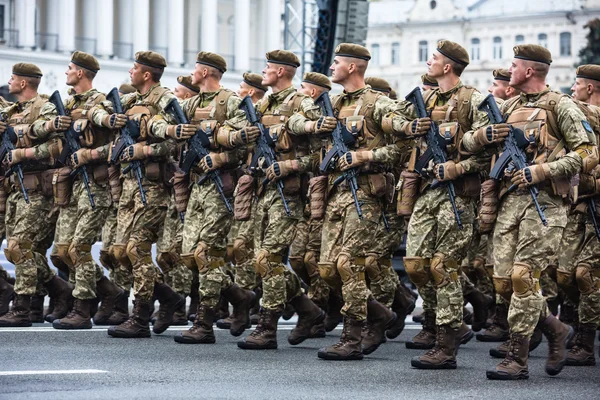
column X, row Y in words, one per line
column 54, row 372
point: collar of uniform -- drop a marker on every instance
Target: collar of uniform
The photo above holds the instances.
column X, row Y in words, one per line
column 356, row 93
column 533, row 97
column 23, row 105
column 207, row 96
column 281, row 95
column 85, row 95
column 447, row 94
column 143, row 96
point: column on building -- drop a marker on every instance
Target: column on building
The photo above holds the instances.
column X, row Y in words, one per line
column 242, row 35
column 25, row 23
column 66, row 25
column 140, row 19
column 274, row 27
column 175, row 35
column 104, row 28
column 160, row 23
column 209, row 25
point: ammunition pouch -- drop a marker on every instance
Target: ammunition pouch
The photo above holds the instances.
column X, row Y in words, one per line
column 489, row 205
column 317, row 189
column 181, row 187
column 243, row 194
column 408, row 191
column 114, row 180
column 62, row 186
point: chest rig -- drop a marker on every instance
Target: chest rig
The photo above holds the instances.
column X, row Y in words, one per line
column 358, row 120
column 142, row 111
column 91, row 136
column 211, row 116
column 21, row 120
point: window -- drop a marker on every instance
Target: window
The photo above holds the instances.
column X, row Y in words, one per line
column 375, row 54
column 395, row 53
column 497, row 48
column 565, row 44
column 519, row 39
column 475, row 49
column 543, row 39
column 423, row 53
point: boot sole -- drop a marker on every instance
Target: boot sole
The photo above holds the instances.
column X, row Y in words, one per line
column 58, row 325
column 503, row 376
column 418, row 346
column 466, row 338
column 122, row 335
column 497, row 353
column 555, row 371
column 589, row 362
column 417, row 363
column 223, row 325
column 186, row 340
column 239, row 332
column 487, row 339
column 246, row 346
column 161, row 329
column 17, row 325
column 335, row 357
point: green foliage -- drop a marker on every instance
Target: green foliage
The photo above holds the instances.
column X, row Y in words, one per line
column 590, row 54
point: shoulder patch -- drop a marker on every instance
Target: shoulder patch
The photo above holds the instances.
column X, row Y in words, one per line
column 587, row 126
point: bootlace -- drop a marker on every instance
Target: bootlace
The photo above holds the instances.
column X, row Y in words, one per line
column 513, row 348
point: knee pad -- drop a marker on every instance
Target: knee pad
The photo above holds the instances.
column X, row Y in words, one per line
column 503, row 287
column 344, row 267
column 297, row 264
column 564, row 278
column 240, row 251
column 106, row 260
column 311, row 264
column 525, row 281
column 443, row 270
column 119, row 253
column 166, row 261
column 372, row 267
column 328, row 272
column 80, row 253
column 18, row 251
column 417, row 269
column 267, row 264
column 60, row 258
column 139, row 253
column 201, row 256
column 189, row 261
column 587, row 281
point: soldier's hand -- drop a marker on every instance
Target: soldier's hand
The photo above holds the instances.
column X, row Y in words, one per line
column 531, row 175
column 15, row 157
column 322, row 125
column 59, row 124
column 418, row 127
column 213, row 161
column 114, row 121
column 135, row 152
column 281, row 169
column 245, row 135
column 3, row 126
column 448, row 171
column 81, row 157
column 354, row 159
column 491, row 134
column 182, row 131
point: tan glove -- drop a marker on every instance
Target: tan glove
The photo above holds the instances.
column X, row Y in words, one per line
column 82, row 157
column 281, row 169
column 114, row 121
column 58, row 124
column 182, row 131
column 491, row 134
column 15, row 157
column 531, row 175
column 3, row 126
column 322, row 125
column 354, row 159
column 448, row 171
column 245, row 135
column 136, row 151
column 213, row 161
column 418, row 127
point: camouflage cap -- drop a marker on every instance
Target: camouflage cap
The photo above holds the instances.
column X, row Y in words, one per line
column 85, row 60
column 254, row 80
column 393, row 95
column 283, row 57
column 25, row 69
column 353, row 50
column 588, row 71
column 318, row 79
column 379, row 84
column 501, row 74
column 427, row 80
column 212, row 60
column 453, row 51
column 187, row 82
column 127, row 88
column 533, row 52
column 151, row 59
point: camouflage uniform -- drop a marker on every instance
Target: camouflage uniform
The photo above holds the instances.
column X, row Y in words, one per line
column 241, row 237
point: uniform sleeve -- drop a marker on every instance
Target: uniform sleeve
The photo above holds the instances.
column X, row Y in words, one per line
column 392, row 116
column 105, row 108
column 309, row 111
column 38, row 129
column 160, row 122
column 480, row 119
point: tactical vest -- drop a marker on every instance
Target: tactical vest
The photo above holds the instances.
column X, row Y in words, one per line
column 143, row 111
column 21, row 121
column 92, row 136
column 212, row 116
column 592, row 115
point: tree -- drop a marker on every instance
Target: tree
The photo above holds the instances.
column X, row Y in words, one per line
column 590, row 54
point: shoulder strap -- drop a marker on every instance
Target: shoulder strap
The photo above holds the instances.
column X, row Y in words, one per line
column 219, row 111
column 463, row 108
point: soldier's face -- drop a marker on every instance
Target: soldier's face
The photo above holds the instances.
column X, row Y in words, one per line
column 136, row 75
column 71, row 73
column 270, row 74
column 182, row 93
column 15, row 85
column 435, row 65
column 243, row 90
column 340, row 69
column 197, row 74
column 579, row 90
column 305, row 89
column 518, row 72
column 498, row 89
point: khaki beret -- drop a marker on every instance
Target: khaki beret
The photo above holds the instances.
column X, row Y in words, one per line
column 151, row 59
column 318, row 79
column 85, row 60
column 501, row 75
column 393, row 95
column 283, row 57
column 379, row 84
column 588, row 71
column 25, row 69
column 212, row 60
column 254, row 80
column 127, row 88
column 187, row 82
column 427, row 80
column 352, row 50
column 533, row 52
column 453, row 51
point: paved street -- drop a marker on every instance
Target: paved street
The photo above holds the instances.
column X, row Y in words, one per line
column 92, row 365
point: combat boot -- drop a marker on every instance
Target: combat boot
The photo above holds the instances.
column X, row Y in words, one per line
column 255, row 310
column 202, row 330
column 288, row 311
column 467, row 316
column 18, row 316
column 264, row 335
column 137, row 325
column 169, row 302
column 582, row 352
column 222, row 308
column 109, row 292
column 77, row 318
column 318, row 331
column 502, row 349
column 418, row 318
column 334, row 314
column 464, row 334
column 514, row 365
column 62, row 292
column 36, row 312
column 121, row 310
column 180, row 316
column 349, row 347
column 402, row 305
column 94, row 305
column 443, row 354
column 379, row 319
column 242, row 300
column 558, row 334
column 6, row 295
column 194, row 298
column 498, row 331
column 49, row 310
column 309, row 315
column 425, row 339
column 480, row 303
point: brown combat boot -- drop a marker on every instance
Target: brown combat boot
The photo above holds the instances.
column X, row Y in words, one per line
column 582, row 352
column 169, row 302
column 480, row 303
column 202, row 330
column 498, row 331
column 502, row 349
column 402, row 305
column 62, row 292
column 514, row 365
column 109, row 292
column 18, row 316
column 180, row 316
column 334, row 314
column 255, row 310
column 464, row 335
column 6, row 295
column 194, row 297
column 78, row 318
column 242, row 300
column 443, row 354
column 121, row 310
column 418, row 318
column 318, row 331
column 349, row 347
column 137, row 326
column 558, row 334
column 222, row 308
column 265, row 335
column 309, row 315
column 379, row 319
column 288, row 312
column 36, row 312
column 425, row 339
column 50, row 309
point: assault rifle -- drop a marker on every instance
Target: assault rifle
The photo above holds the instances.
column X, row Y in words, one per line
column 341, row 140
column 513, row 156
column 9, row 138
column 71, row 145
column 128, row 137
column 436, row 150
column 265, row 147
column 198, row 148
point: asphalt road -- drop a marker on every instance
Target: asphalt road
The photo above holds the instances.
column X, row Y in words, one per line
column 41, row 363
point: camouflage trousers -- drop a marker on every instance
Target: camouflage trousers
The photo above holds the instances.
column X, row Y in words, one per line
column 433, row 234
column 137, row 228
column 120, row 274
column 207, row 223
column 475, row 265
column 523, row 247
column 241, row 240
column 274, row 232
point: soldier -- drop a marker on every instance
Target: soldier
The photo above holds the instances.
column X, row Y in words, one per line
column 292, row 117
column 138, row 224
column 522, row 243
column 428, row 83
column 500, row 87
column 38, row 143
column 184, row 88
column 6, row 281
column 379, row 85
